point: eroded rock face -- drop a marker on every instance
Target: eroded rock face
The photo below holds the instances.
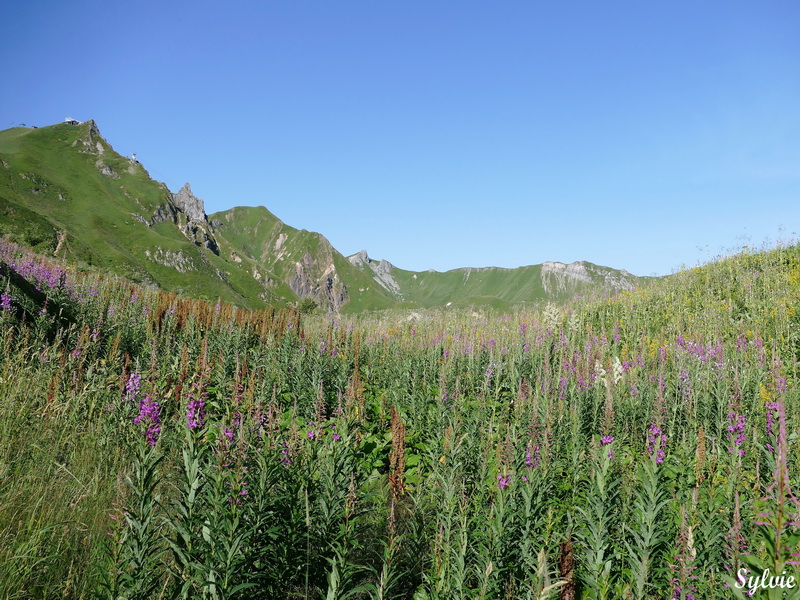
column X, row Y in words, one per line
column 202, row 235
column 381, row 271
column 196, row 228
column 106, row 170
column 558, row 278
column 359, row 259
column 320, row 281
column 189, row 204
column 168, row 258
column 165, row 212
column 383, row 275
column 92, row 140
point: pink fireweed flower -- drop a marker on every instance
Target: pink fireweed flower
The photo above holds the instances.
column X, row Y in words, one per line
column 503, row 481
column 736, row 432
column 606, row 440
column 772, row 408
column 149, row 416
column 132, row 387
column 532, row 458
column 195, row 413
column 656, row 440
column 285, row 459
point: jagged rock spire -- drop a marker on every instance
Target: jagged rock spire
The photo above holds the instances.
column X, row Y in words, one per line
column 189, row 204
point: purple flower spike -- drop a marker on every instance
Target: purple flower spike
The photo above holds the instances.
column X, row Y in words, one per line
column 195, row 413
column 149, row 416
column 132, row 387
column 656, row 440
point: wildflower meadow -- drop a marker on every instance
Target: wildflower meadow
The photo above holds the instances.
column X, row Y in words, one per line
column 639, row 446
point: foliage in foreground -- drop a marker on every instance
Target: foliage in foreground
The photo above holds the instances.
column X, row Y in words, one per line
column 642, row 446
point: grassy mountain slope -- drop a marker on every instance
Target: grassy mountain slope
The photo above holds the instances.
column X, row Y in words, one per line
column 303, row 261
column 63, row 190
column 498, row 287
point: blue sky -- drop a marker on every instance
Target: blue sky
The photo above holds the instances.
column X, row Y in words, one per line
column 638, row 135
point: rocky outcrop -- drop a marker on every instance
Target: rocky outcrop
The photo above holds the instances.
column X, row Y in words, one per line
column 558, row 278
column 196, row 226
column 383, row 275
column 91, row 140
column 381, row 271
column 325, row 287
column 168, row 258
column 106, row 170
column 359, row 259
column 165, row 212
column 189, row 204
column 201, row 234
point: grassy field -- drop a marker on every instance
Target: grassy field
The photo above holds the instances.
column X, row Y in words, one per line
column 641, row 446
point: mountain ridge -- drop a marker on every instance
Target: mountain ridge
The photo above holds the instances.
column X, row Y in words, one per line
column 65, row 189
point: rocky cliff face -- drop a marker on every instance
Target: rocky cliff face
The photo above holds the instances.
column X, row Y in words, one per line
column 192, row 206
column 558, row 278
column 316, row 277
column 381, row 271
column 196, row 226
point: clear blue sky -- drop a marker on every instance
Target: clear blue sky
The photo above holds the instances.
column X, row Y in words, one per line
column 639, row 135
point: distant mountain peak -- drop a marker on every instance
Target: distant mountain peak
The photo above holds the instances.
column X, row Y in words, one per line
column 381, row 269
column 359, row 259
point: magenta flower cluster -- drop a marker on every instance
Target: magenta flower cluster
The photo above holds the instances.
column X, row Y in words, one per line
column 532, row 458
column 196, row 413
column 150, row 417
column 32, row 268
column 132, row 387
column 503, row 481
column 285, row 458
column 606, row 440
column 656, row 440
column 736, row 432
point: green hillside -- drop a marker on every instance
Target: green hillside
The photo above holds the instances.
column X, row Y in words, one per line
column 304, row 259
column 498, row 287
column 64, row 191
